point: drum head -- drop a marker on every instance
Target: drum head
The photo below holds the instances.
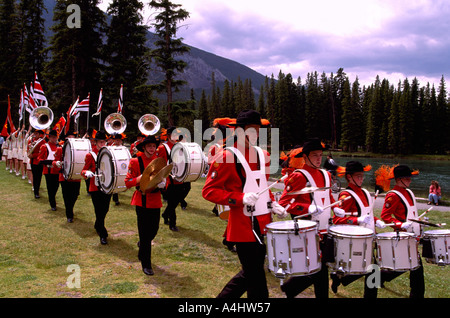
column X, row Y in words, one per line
column 106, row 169
column 68, row 159
column 393, row 235
column 180, row 160
column 352, row 230
column 289, row 225
column 437, row 232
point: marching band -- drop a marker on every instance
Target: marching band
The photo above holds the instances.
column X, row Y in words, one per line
column 324, row 238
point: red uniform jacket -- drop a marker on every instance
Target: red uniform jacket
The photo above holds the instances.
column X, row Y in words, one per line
column 224, row 186
column 297, row 181
column 394, row 210
column 43, row 154
column 351, row 205
column 89, row 164
column 153, row 199
column 34, row 160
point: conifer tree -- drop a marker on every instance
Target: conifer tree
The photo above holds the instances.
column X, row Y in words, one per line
column 168, row 47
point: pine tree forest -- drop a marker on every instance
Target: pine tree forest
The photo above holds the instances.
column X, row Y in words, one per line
column 407, row 117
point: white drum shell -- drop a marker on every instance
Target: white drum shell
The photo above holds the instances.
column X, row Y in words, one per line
column 188, row 161
column 291, row 254
column 440, row 246
column 112, row 168
column 74, row 154
column 353, row 249
column 397, row 251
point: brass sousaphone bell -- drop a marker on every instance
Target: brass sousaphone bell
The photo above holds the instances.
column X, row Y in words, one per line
column 115, row 123
column 158, row 169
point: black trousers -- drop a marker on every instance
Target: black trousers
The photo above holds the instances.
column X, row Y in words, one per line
column 174, row 194
column 52, row 182
column 70, row 192
column 36, row 170
column 101, row 202
column 252, row 277
column 148, row 226
column 295, row 285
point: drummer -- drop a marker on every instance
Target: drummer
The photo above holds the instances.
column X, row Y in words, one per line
column 117, row 140
column 361, row 206
column 100, row 200
column 175, row 191
column 70, row 188
column 310, row 203
column 148, row 207
column 225, row 184
column 399, row 207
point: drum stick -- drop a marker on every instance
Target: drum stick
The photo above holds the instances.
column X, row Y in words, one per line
column 425, row 212
column 336, row 203
column 326, row 207
column 271, row 186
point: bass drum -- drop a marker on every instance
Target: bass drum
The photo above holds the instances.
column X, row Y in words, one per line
column 74, row 152
column 189, row 162
column 112, row 168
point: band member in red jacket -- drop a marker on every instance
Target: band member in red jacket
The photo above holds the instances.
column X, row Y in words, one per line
column 234, row 179
column 100, row 200
column 148, row 206
column 51, row 173
column 70, row 188
column 400, row 206
column 310, row 203
column 360, row 205
column 36, row 167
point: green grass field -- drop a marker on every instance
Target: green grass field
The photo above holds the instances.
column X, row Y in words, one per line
column 37, row 246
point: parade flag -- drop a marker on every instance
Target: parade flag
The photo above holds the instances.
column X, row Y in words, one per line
column 38, row 92
column 99, row 104
column 73, row 110
column 60, row 125
column 10, row 121
column 29, row 102
column 83, row 106
column 21, row 104
column 120, row 106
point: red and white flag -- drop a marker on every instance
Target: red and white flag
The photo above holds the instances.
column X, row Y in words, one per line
column 38, row 92
column 28, row 100
column 99, row 104
column 120, row 106
column 21, row 105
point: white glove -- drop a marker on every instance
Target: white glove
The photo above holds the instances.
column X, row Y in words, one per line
column 315, row 209
column 162, row 184
column 364, row 219
column 250, row 198
column 380, row 224
column 406, row 225
column 89, row 174
column 279, row 210
column 340, row 213
column 59, row 164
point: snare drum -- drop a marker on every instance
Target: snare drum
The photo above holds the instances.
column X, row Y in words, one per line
column 436, row 252
column 293, row 250
column 353, row 249
column 397, row 251
column 112, row 168
column 74, row 152
column 189, row 162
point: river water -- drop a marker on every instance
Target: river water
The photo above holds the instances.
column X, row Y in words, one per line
column 438, row 170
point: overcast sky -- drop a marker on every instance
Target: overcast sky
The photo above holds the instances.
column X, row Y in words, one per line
column 395, row 39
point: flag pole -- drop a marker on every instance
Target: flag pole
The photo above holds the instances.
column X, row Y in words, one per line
column 89, row 96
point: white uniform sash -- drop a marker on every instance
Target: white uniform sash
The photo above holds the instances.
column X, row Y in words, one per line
column 411, row 211
column 365, row 210
column 255, row 181
column 321, row 198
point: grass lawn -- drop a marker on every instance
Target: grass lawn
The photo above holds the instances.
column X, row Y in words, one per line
column 37, row 246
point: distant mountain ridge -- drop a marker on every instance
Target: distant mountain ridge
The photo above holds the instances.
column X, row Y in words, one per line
column 201, row 65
